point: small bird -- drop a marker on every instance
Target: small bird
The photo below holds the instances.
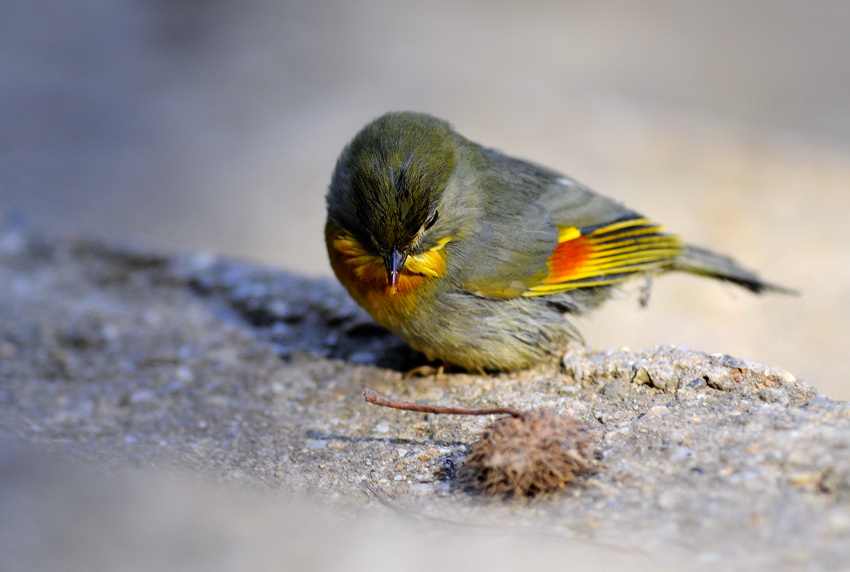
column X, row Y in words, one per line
column 475, row 258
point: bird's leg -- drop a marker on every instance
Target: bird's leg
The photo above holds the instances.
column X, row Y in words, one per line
column 426, row 370
column 646, row 290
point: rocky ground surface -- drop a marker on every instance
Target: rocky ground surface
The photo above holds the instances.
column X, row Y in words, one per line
column 193, row 412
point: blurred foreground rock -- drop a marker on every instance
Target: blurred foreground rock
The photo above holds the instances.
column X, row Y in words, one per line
column 192, row 413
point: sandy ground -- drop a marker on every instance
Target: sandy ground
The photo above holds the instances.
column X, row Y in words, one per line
column 196, row 413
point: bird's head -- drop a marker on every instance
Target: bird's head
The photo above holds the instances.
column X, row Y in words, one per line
column 389, row 186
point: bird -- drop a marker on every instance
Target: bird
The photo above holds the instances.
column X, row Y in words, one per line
column 478, row 259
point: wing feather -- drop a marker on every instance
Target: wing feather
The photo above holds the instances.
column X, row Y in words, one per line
column 606, row 254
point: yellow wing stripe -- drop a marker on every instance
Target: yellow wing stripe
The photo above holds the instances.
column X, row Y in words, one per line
column 606, row 255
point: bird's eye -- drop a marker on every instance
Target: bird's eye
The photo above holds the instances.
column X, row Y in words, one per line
column 432, row 220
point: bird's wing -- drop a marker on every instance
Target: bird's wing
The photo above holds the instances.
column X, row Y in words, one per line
column 605, row 254
column 590, row 240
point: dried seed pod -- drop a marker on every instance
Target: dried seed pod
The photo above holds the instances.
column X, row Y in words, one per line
column 523, row 455
column 527, row 453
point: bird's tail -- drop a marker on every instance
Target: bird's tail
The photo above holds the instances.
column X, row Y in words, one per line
column 705, row 263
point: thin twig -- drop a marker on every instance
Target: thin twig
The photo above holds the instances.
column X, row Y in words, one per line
column 378, row 399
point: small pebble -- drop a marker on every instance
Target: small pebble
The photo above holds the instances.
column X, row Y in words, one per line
column 362, row 358
column 142, row 396
column 184, row 374
column 658, row 411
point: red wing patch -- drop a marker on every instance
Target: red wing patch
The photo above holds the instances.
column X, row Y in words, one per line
column 607, row 254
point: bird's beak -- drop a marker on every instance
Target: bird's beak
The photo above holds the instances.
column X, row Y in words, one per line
column 394, row 262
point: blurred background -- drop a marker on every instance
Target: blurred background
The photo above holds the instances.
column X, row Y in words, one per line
column 214, row 125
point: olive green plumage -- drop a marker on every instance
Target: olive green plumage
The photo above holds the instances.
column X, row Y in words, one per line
column 398, row 182
column 484, row 254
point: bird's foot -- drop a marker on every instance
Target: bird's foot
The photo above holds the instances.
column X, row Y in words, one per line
column 426, row 370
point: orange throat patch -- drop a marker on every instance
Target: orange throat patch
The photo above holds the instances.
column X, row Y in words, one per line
column 365, row 277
